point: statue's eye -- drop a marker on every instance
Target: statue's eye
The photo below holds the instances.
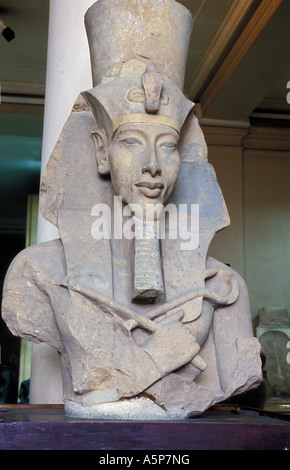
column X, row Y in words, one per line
column 131, row 141
column 170, row 144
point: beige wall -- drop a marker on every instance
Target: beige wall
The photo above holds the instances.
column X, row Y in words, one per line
column 253, row 170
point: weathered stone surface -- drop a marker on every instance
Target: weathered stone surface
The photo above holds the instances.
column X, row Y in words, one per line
column 150, row 328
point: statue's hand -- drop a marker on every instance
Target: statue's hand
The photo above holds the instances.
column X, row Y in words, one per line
column 172, row 345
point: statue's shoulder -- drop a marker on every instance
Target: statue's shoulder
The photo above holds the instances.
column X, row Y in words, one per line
column 50, row 246
column 25, row 302
column 47, row 256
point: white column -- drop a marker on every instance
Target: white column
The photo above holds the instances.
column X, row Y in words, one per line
column 68, row 73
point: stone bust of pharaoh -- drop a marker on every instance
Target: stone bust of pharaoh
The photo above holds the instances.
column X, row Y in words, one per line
column 144, row 329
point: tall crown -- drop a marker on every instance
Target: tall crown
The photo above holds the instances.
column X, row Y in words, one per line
column 152, row 31
column 138, row 56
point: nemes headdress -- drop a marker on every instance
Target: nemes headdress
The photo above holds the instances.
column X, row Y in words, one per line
column 138, row 54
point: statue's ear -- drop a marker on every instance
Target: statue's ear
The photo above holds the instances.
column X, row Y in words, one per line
column 102, row 152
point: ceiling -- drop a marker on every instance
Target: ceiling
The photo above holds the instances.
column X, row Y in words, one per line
column 238, row 69
column 239, row 58
column 238, row 61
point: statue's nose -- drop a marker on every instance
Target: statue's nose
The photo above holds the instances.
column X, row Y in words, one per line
column 152, row 165
column 153, row 169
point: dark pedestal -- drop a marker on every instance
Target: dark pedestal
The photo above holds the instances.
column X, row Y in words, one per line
column 222, row 428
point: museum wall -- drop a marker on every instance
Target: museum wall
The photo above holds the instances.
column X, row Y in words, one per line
column 253, row 167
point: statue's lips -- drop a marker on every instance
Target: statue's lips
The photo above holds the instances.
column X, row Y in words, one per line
column 149, row 189
column 146, row 184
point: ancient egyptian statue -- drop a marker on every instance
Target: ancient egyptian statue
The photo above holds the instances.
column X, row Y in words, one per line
column 146, row 324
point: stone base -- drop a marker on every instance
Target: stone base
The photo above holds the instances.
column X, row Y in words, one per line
column 141, row 409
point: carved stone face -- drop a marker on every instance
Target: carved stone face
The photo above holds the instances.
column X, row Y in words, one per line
column 144, row 163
